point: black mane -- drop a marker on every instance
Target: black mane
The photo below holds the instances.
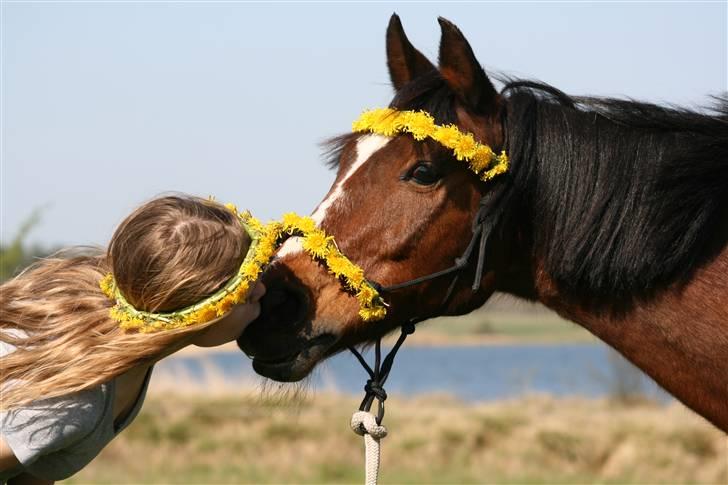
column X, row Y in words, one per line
column 625, row 197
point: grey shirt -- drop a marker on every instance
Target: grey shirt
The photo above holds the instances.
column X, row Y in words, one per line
column 55, row 438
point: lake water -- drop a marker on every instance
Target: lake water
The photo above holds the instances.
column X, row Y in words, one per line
column 472, row 373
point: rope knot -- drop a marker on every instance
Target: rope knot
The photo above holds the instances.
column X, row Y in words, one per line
column 363, row 423
column 376, row 389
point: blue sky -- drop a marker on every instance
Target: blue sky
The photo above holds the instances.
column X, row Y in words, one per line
column 105, row 105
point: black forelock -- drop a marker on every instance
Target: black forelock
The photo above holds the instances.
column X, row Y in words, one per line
column 428, row 92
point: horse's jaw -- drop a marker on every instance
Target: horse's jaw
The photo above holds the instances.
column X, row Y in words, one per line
column 293, row 366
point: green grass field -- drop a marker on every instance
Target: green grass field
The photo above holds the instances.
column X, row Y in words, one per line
column 544, row 327
column 246, row 438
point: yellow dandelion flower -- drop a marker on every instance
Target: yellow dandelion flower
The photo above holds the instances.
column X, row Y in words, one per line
column 107, row 285
column 482, row 159
column 466, row 147
column 250, row 271
column 241, row 292
column 269, row 248
column 354, row 277
column 116, row 313
column 232, row 208
column 366, row 295
column 419, row 124
column 263, row 253
column 252, row 222
column 447, row 135
column 503, row 157
column 205, row 314
column 387, row 125
column 270, row 237
column 196, row 316
column 365, row 121
column 500, row 168
column 370, row 314
column 224, row 306
column 306, row 225
column 337, row 264
column 380, row 117
column 290, row 221
column 131, row 323
column 384, row 121
column 316, row 243
column 271, row 232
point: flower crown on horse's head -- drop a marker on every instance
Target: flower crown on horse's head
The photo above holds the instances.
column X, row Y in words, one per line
column 389, row 122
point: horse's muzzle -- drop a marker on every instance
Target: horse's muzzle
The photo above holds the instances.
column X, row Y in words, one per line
column 280, row 340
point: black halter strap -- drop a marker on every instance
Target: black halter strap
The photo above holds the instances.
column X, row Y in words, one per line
column 374, row 388
column 481, row 231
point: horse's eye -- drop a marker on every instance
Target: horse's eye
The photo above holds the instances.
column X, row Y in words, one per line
column 424, row 173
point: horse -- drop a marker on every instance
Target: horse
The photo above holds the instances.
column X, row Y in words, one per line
column 613, row 213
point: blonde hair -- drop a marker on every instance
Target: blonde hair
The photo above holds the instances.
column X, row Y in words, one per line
column 169, row 253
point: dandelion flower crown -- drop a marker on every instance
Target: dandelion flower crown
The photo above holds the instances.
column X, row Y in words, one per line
column 389, row 122
column 265, row 240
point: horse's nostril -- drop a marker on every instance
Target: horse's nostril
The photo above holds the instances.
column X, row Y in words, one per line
column 283, row 306
column 274, row 298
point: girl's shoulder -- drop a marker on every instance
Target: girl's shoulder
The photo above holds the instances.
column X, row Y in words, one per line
column 53, row 427
column 57, row 419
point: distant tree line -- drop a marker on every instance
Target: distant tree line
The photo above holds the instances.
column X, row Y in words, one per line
column 18, row 254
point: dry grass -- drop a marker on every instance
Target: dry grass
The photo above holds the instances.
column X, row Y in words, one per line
column 224, row 435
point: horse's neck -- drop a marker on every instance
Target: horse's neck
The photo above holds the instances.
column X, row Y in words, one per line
column 679, row 338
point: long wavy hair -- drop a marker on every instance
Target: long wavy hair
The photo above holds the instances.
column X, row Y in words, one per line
column 169, row 253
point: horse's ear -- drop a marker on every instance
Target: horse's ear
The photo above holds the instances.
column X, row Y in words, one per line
column 462, row 71
column 404, row 61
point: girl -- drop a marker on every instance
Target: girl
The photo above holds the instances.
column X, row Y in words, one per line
column 75, row 371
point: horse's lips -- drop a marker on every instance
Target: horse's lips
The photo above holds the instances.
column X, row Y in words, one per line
column 298, row 365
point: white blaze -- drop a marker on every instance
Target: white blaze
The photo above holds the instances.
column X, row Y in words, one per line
column 365, row 148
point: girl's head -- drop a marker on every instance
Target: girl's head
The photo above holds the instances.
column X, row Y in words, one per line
column 175, row 251
column 170, row 253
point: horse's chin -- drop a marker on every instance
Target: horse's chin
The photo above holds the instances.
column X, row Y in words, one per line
column 298, row 364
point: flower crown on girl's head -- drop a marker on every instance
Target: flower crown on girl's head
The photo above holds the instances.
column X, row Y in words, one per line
column 265, row 240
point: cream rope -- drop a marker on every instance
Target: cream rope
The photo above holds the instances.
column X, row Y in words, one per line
column 365, row 424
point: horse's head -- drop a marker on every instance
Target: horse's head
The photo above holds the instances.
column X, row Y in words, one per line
column 399, row 208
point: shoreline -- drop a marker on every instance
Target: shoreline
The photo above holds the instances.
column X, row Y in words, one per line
column 424, row 339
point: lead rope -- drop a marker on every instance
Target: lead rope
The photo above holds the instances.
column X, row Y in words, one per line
column 363, row 422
